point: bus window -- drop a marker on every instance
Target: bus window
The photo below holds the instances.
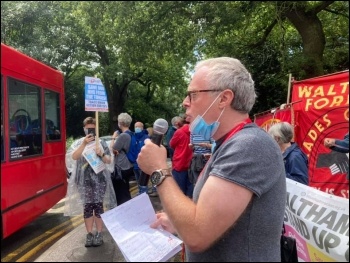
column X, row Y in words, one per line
column 52, row 115
column 24, row 106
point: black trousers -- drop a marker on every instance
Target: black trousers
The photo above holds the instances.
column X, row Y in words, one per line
column 122, row 187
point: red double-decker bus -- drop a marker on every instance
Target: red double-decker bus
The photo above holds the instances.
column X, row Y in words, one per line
column 33, row 139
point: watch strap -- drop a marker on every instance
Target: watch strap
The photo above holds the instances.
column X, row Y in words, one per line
column 165, row 173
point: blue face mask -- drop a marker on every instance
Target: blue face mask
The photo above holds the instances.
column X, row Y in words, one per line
column 199, row 125
column 138, row 130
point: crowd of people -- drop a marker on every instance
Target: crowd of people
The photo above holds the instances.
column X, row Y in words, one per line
column 216, row 193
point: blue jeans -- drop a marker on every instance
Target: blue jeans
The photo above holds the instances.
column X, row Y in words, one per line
column 183, row 181
column 142, row 189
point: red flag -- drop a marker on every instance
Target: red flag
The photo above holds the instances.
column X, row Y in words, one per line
column 323, row 111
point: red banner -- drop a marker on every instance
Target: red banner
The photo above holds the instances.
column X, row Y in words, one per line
column 266, row 120
column 323, row 111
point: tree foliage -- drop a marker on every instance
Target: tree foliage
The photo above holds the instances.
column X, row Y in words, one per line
column 144, row 51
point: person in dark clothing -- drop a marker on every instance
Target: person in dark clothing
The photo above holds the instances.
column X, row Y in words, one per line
column 341, row 146
column 337, row 145
column 295, row 161
column 141, row 135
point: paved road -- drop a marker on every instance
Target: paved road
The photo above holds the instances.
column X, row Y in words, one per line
column 70, row 248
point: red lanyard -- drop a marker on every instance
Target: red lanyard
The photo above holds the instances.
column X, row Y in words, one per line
column 237, row 129
column 229, row 135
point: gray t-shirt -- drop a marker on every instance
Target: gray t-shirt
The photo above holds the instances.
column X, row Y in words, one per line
column 252, row 159
column 122, row 144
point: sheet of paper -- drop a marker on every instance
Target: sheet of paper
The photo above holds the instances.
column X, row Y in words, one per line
column 129, row 225
column 90, row 155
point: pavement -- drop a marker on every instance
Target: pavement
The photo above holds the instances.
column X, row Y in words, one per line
column 71, row 247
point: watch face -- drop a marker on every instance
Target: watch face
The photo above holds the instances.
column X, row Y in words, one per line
column 155, row 178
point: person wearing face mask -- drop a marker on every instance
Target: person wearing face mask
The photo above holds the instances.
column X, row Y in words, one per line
column 89, row 193
column 141, row 135
column 237, row 210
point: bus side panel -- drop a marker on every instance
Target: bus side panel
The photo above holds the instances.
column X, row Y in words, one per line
column 31, row 177
column 21, row 215
column 37, row 185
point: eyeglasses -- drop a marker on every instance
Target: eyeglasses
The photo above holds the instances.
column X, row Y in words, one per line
column 191, row 94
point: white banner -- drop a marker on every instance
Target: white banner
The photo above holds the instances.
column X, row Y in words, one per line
column 319, row 222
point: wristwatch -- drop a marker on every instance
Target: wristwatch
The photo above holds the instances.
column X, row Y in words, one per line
column 158, row 176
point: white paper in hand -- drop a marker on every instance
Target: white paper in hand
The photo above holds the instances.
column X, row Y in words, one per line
column 129, row 225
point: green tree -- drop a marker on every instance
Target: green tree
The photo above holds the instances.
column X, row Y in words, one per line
column 145, row 54
column 144, row 51
column 274, row 39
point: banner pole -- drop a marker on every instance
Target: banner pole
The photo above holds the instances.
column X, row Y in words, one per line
column 289, row 85
column 96, row 130
column 97, row 126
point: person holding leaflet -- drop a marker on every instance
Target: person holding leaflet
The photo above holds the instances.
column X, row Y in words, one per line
column 89, row 193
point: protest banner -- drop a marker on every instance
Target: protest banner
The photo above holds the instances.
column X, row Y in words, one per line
column 266, row 119
column 319, row 222
column 95, row 100
column 95, row 95
column 323, row 111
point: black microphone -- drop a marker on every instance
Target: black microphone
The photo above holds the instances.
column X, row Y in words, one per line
column 160, row 127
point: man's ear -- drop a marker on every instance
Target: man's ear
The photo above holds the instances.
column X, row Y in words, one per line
column 226, row 98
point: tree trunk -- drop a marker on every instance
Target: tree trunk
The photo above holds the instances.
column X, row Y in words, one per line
column 314, row 41
column 305, row 20
column 117, row 95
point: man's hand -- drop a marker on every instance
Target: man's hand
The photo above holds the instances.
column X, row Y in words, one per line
column 164, row 222
column 329, row 142
column 152, row 157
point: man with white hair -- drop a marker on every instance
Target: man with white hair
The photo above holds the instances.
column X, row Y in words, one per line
column 238, row 204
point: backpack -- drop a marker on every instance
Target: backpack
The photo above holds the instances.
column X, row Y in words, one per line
column 133, row 148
